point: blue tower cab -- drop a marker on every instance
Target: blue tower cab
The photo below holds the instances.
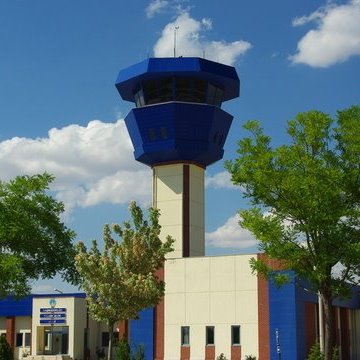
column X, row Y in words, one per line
column 178, row 115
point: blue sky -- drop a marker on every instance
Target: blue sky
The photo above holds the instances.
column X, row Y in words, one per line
column 60, row 111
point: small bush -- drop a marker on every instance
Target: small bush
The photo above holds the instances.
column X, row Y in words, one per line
column 123, row 350
column 6, row 352
column 250, row 357
column 139, row 353
column 315, row 353
column 221, row 357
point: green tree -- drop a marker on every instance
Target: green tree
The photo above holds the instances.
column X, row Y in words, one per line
column 6, row 352
column 34, row 243
column 122, row 280
column 305, row 199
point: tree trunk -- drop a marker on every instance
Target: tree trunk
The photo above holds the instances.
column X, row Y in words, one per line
column 328, row 325
column 111, row 335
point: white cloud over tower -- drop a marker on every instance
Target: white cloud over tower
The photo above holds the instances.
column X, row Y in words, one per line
column 190, row 41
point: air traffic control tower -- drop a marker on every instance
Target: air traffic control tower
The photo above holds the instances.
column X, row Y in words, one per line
column 178, row 128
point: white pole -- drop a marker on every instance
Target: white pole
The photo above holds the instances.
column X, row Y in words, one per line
column 321, row 324
column 175, row 28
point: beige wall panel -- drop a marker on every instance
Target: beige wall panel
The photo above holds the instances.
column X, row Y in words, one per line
column 219, row 291
column 175, row 309
column 245, row 280
column 197, row 274
column 197, row 308
column 222, row 273
column 197, row 244
column 23, row 323
column 175, row 276
column 169, row 188
column 249, row 340
column 197, row 342
column 197, row 189
column 246, row 307
column 171, row 212
column 172, row 342
column 197, row 214
column 222, row 307
column 168, row 170
column 175, row 232
column 222, row 339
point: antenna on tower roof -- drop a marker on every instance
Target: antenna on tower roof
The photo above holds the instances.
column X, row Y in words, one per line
column 175, row 29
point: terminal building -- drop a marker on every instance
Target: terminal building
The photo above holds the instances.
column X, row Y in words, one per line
column 213, row 304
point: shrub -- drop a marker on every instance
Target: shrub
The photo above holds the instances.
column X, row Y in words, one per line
column 221, row 357
column 139, row 353
column 6, row 352
column 123, row 350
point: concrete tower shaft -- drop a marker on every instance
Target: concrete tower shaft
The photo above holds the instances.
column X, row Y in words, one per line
column 178, row 128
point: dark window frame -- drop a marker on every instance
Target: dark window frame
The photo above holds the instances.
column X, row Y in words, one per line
column 185, row 336
column 105, row 338
column 19, row 339
column 235, row 335
column 210, row 335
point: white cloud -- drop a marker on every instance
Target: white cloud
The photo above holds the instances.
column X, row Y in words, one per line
column 92, row 164
column 231, row 235
column 189, row 41
column 335, row 39
column 155, row 7
column 220, row 180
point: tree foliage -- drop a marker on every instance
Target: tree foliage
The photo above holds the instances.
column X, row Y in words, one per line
column 34, row 243
column 121, row 280
column 6, row 352
column 305, row 199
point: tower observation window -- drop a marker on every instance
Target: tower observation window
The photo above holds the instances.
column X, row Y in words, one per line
column 214, row 95
column 190, row 90
column 184, row 89
column 139, row 98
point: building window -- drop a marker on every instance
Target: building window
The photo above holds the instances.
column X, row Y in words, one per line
column 19, row 339
column 163, row 133
column 23, row 339
column 185, row 335
column 214, row 95
column 105, row 338
column 235, row 335
column 27, row 339
column 210, row 335
column 139, row 98
column 152, row 134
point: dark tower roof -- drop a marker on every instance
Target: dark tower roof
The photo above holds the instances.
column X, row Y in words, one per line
column 221, row 75
column 178, row 115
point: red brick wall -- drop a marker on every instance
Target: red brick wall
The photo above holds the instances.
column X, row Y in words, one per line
column 159, row 325
column 185, row 353
column 263, row 317
column 10, row 331
column 235, row 352
column 123, row 327
column 310, row 325
column 209, row 352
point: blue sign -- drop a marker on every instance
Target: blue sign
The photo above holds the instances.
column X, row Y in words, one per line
column 52, row 310
column 52, row 316
column 53, row 321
